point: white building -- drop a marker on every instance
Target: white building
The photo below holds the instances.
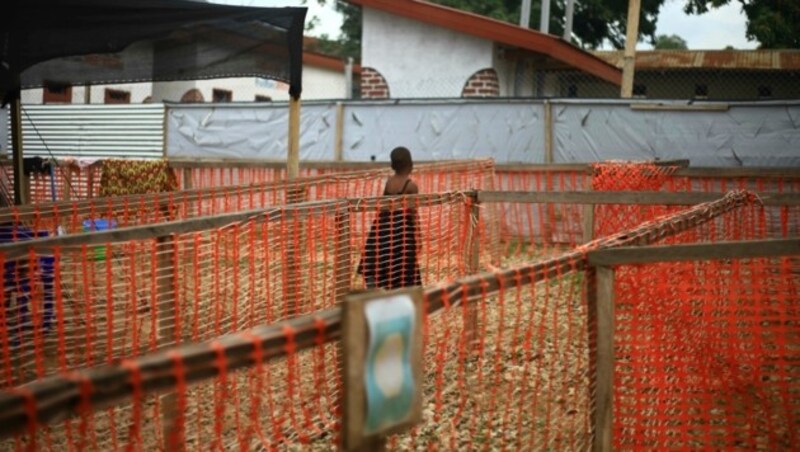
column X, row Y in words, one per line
column 412, row 48
column 323, row 78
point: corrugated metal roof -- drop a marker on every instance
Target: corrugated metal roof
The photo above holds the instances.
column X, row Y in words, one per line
column 91, row 131
column 709, row 59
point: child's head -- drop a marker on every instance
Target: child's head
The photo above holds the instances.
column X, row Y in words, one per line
column 401, row 160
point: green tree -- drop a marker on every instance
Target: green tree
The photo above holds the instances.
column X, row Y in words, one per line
column 775, row 24
column 670, row 42
column 348, row 44
column 594, row 21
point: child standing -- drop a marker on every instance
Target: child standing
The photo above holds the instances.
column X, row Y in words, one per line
column 389, row 260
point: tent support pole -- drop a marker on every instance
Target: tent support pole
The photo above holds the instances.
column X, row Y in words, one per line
column 21, row 195
column 293, row 160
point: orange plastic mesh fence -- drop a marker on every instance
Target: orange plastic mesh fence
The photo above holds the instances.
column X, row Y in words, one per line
column 530, row 230
column 77, row 216
column 520, row 378
column 522, row 384
column 73, row 182
column 707, row 351
column 80, row 305
column 627, row 176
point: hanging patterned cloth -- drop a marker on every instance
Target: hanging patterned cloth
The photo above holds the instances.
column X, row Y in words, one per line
column 134, row 177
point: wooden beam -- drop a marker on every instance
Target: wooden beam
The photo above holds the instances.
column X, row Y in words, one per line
column 354, row 350
column 588, row 220
column 629, row 58
column 548, row 133
column 633, row 197
column 166, row 328
column 271, row 213
column 415, row 201
column 604, row 378
column 697, row 171
column 751, row 172
column 293, row 159
column 473, row 250
column 680, row 107
column 338, row 151
column 18, row 249
column 342, row 259
column 598, row 197
column 696, row 251
column 419, row 165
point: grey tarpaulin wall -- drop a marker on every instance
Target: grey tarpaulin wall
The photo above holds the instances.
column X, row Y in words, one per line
column 440, row 130
column 747, row 134
column 763, row 134
column 247, row 131
column 510, row 131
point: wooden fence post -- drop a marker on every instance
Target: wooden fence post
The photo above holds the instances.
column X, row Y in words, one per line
column 187, row 179
column 473, row 265
column 343, row 258
column 166, row 326
column 601, row 304
column 358, row 366
column 338, row 151
column 548, row 133
column 588, row 221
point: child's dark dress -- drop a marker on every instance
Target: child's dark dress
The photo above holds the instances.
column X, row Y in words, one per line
column 389, row 260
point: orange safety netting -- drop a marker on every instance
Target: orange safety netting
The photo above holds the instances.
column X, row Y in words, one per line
column 83, row 305
column 508, row 358
column 627, row 176
column 73, row 182
column 706, row 351
column 540, row 229
column 519, row 382
column 72, row 216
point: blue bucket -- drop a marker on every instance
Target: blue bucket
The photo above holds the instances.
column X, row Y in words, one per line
column 17, row 284
column 99, row 225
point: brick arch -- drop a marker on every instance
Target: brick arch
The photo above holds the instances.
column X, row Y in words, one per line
column 483, row 83
column 373, row 85
column 193, row 96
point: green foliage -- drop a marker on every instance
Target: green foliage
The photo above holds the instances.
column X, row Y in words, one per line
column 670, row 42
column 775, row 24
column 595, row 21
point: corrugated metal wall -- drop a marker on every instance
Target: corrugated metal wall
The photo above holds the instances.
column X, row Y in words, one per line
column 90, row 131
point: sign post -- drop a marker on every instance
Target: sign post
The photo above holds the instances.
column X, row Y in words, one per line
column 382, row 367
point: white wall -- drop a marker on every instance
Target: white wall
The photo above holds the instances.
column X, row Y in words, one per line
column 318, row 83
column 322, row 83
column 420, row 60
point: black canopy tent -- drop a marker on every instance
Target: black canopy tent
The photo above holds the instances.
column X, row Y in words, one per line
column 81, row 42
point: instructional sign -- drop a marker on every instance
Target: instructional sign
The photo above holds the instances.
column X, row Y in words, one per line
column 382, row 340
column 388, row 376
